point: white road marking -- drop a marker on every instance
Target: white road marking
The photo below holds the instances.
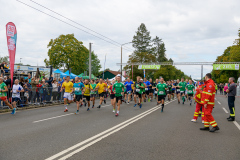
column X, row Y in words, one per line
column 236, row 124
column 103, row 134
column 106, row 105
column 215, row 98
column 225, row 110
column 218, row 102
column 52, row 118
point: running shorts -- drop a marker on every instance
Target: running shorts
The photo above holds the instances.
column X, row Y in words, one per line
column 87, row 98
column 68, row 96
column 118, row 98
column 161, row 97
column 112, row 96
column 78, row 97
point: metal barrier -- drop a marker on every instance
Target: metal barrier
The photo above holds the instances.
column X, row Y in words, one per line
column 40, row 96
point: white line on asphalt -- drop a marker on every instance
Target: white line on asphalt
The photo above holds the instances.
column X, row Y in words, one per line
column 238, row 126
column 215, row 98
column 225, row 110
column 103, row 133
column 218, row 102
column 106, row 135
column 106, row 105
column 53, row 118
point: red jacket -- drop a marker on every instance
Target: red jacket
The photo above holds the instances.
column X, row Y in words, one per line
column 208, row 94
column 198, row 94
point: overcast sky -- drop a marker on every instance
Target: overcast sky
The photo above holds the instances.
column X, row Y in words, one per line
column 193, row 31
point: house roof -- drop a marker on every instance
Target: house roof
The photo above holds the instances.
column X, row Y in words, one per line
column 115, row 73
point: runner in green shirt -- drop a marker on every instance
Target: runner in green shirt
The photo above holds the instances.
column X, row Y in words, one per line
column 182, row 86
column 118, row 88
column 161, row 89
column 138, row 90
column 93, row 92
column 190, row 90
column 3, row 95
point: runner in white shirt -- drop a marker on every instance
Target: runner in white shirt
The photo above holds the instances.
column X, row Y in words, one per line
column 16, row 93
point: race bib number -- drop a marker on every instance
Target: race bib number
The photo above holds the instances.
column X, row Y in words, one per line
column 161, row 92
column 137, row 90
column 178, row 90
column 146, row 89
column 189, row 91
column 129, row 92
column 77, row 89
column 14, row 94
column 182, row 91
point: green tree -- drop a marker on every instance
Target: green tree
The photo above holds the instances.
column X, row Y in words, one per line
column 142, row 40
column 231, row 54
column 67, row 51
column 159, row 49
column 5, row 58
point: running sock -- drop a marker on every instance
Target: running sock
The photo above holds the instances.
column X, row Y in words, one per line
column 77, row 110
column 183, row 98
column 117, row 112
column 65, row 106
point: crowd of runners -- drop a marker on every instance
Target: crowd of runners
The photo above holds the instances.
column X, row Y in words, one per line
column 139, row 93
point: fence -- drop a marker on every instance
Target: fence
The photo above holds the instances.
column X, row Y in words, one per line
column 35, row 96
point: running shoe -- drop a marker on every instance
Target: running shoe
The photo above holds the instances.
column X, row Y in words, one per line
column 144, row 100
column 66, row 110
column 88, row 109
column 135, row 105
column 85, row 104
column 148, row 100
column 77, row 112
column 113, row 110
column 13, row 111
column 190, row 104
column 93, row 106
column 104, row 101
column 127, row 102
column 116, row 114
column 140, row 106
column 194, row 120
column 162, row 109
column 99, row 106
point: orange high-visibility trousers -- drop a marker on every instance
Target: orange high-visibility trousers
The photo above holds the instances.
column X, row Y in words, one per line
column 208, row 118
column 198, row 111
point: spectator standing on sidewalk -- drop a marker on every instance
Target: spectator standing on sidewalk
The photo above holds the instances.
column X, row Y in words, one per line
column 231, row 98
column 34, row 83
column 225, row 89
column 54, row 90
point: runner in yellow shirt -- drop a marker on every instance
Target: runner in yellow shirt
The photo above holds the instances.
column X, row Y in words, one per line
column 86, row 90
column 68, row 86
column 101, row 86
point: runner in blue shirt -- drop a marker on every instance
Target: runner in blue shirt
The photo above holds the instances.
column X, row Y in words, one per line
column 78, row 86
column 148, row 84
column 128, row 91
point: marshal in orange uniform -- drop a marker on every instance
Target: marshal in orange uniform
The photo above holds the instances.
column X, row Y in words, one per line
column 207, row 100
column 197, row 99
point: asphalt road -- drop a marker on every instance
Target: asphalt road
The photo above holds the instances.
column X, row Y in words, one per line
column 141, row 134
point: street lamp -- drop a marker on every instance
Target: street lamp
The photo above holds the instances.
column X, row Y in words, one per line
column 20, row 60
column 121, row 57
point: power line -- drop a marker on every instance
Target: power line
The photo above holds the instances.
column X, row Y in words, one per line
column 72, row 25
column 75, row 22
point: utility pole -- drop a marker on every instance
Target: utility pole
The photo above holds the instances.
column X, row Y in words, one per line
column 201, row 72
column 121, row 63
column 90, row 61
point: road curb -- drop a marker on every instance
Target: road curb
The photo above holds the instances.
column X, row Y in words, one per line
column 31, row 107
